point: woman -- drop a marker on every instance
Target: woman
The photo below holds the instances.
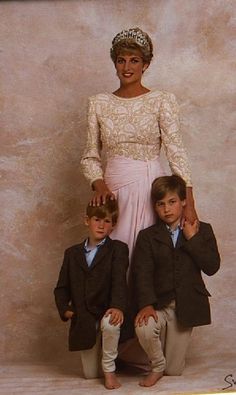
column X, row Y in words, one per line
column 130, row 125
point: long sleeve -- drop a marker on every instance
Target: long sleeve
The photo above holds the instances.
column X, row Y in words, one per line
column 143, row 272
column 171, row 138
column 62, row 290
column 119, row 284
column 91, row 159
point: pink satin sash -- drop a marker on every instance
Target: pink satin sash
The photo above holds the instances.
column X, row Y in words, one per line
column 131, row 180
column 121, row 171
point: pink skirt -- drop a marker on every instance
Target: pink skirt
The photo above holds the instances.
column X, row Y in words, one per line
column 130, row 180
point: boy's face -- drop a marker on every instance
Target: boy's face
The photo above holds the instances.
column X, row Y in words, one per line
column 99, row 228
column 170, row 209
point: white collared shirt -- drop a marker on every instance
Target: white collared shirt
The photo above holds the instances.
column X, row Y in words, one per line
column 174, row 233
column 91, row 252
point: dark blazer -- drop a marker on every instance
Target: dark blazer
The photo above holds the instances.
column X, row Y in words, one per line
column 90, row 291
column 162, row 272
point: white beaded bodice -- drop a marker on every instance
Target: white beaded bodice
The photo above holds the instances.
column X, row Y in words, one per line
column 134, row 128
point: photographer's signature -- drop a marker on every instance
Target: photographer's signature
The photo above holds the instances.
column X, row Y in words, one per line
column 229, row 379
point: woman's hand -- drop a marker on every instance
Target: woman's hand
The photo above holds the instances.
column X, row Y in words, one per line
column 189, row 212
column 144, row 314
column 102, row 193
column 190, row 230
column 116, row 316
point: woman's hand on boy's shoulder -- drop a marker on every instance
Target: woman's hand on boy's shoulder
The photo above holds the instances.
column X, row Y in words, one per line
column 189, row 214
column 144, row 314
column 116, row 316
column 190, row 229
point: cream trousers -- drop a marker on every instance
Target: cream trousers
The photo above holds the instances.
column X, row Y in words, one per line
column 165, row 341
column 101, row 358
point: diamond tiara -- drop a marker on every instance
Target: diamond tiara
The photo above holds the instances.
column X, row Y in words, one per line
column 134, row 34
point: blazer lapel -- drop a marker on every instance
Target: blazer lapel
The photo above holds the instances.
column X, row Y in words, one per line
column 81, row 259
column 181, row 240
column 102, row 251
column 163, row 235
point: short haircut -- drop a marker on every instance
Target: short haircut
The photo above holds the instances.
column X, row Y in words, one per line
column 109, row 208
column 128, row 46
column 162, row 185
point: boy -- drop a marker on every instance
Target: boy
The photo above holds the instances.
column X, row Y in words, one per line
column 91, row 291
column 169, row 288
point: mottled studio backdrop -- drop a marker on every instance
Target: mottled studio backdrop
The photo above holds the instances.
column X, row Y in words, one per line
column 54, row 54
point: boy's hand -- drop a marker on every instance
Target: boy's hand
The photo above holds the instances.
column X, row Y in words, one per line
column 69, row 314
column 189, row 229
column 116, row 316
column 144, row 314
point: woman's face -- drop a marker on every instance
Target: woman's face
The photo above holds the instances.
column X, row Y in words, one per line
column 130, row 67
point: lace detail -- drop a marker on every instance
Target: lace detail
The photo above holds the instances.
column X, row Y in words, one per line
column 134, row 128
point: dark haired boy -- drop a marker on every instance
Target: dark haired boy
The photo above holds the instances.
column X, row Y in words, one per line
column 171, row 295
column 91, row 291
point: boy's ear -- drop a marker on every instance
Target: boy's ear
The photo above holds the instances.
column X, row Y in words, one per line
column 86, row 220
column 155, row 207
column 183, row 203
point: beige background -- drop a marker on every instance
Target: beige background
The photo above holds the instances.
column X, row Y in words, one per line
column 54, row 54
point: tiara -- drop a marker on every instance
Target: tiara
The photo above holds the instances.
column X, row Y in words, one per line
column 134, row 34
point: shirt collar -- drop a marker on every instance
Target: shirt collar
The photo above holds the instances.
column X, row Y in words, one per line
column 98, row 245
column 173, row 230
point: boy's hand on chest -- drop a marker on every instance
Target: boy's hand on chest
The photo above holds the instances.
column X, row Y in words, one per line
column 69, row 314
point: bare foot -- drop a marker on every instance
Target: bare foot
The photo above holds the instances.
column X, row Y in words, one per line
column 111, row 381
column 151, row 379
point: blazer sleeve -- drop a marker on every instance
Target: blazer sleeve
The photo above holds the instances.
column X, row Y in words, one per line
column 119, row 283
column 143, row 272
column 62, row 290
column 203, row 249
